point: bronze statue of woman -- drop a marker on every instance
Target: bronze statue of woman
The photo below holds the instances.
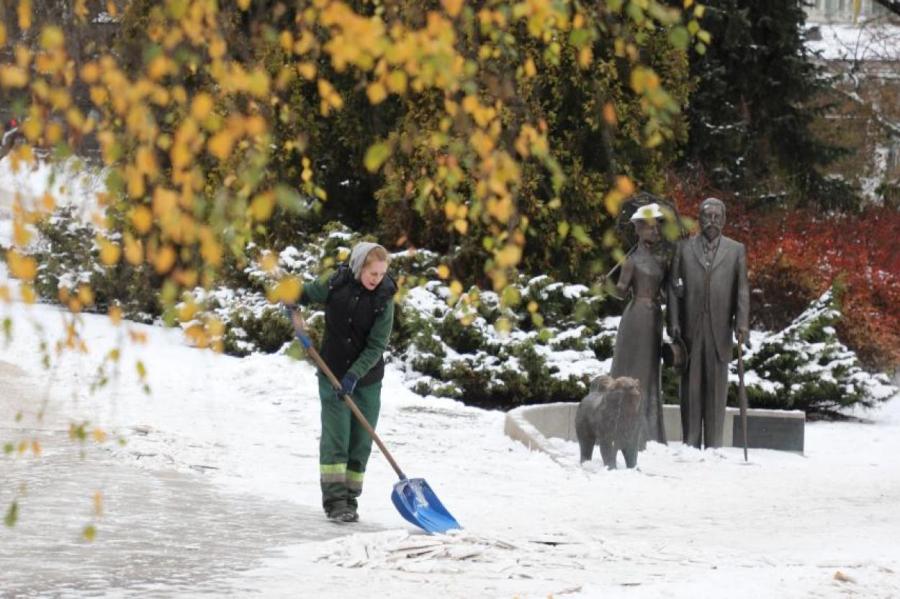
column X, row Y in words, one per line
column 639, row 338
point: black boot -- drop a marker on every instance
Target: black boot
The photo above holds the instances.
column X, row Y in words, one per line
column 350, row 515
column 343, row 513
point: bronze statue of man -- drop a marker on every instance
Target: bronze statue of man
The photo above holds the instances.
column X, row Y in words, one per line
column 709, row 302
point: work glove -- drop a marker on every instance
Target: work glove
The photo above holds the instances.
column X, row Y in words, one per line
column 348, row 383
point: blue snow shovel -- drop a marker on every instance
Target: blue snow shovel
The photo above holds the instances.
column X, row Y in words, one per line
column 412, row 497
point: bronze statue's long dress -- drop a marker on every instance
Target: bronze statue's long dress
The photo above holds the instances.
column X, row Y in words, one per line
column 639, row 338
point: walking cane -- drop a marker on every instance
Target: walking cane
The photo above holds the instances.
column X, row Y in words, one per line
column 742, row 394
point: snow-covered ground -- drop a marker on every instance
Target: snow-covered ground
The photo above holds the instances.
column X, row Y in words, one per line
column 65, row 182
column 32, row 186
column 685, row 524
column 873, row 40
column 242, row 435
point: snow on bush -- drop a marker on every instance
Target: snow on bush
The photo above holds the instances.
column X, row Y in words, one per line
column 805, row 367
column 542, row 342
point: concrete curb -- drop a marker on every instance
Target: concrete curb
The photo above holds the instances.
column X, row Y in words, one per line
column 767, row 429
column 532, row 425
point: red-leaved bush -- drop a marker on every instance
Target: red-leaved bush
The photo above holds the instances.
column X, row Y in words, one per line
column 795, row 255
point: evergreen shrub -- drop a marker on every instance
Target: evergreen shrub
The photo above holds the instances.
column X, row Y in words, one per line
column 454, row 347
column 805, row 367
column 68, row 257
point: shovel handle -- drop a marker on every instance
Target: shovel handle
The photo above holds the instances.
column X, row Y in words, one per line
column 300, row 329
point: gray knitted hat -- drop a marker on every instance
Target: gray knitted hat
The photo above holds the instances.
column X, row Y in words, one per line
column 358, row 255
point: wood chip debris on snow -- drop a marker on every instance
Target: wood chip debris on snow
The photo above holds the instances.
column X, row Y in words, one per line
column 400, row 550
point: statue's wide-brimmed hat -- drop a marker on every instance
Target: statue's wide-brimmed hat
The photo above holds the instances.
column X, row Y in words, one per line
column 648, row 212
column 674, row 354
column 644, row 205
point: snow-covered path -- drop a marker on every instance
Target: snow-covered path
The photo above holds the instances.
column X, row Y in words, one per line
column 160, row 529
column 243, row 435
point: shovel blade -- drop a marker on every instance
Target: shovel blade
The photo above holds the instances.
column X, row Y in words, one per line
column 418, row 504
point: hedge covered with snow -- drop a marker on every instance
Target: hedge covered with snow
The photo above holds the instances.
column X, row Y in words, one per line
column 542, row 342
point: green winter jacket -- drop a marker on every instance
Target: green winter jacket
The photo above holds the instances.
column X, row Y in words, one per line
column 358, row 323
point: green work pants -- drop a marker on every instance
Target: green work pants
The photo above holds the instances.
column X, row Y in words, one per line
column 345, row 445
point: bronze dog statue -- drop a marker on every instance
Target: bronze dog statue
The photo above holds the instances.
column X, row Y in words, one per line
column 610, row 416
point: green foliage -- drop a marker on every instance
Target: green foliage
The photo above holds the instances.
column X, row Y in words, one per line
column 755, row 101
column 461, row 338
column 480, row 129
column 806, row 368
column 378, row 162
column 68, row 252
column 457, row 353
column 248, row 331
column 568, row 99
column 571, row 342
column 69, row 258
column 603, row 346
column 671, row 386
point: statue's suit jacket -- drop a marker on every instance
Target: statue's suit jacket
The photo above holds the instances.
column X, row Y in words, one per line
column 722, row 290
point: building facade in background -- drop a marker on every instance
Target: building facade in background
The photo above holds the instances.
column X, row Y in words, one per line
column 863, row 56
column 841, row 11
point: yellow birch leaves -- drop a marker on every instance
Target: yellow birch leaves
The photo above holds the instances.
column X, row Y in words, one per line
column 188, row 131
